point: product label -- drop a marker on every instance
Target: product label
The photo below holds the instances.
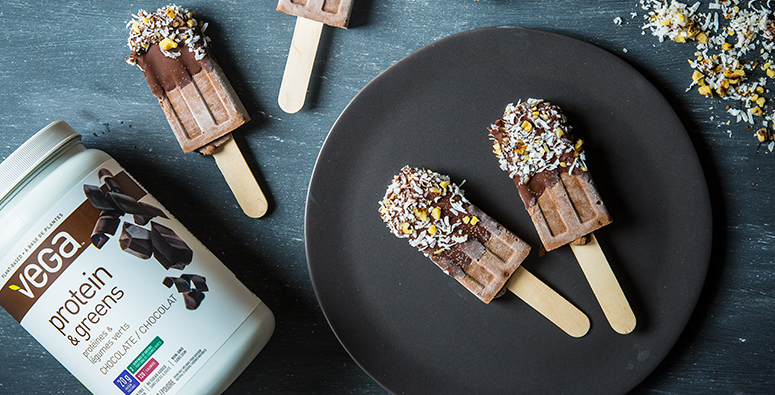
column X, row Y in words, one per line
column 119, row 291
column 52, row 253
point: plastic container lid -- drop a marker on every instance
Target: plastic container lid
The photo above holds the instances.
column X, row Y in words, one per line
column 33, row 153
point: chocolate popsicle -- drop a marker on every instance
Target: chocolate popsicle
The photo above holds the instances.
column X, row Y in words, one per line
column 535, row 146
column 468, row 245
column 312, row 14
column 200, row 104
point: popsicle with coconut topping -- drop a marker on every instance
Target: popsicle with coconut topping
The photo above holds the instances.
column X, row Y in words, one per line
column 430, row 211
column 535, row 146
column 201, row 106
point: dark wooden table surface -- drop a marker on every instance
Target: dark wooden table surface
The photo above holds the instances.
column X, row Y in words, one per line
column 64, row 60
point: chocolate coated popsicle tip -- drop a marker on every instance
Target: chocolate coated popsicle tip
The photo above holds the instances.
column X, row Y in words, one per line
column 431, row 212
column 201, row 106
column 172, row 28
column 532, row 137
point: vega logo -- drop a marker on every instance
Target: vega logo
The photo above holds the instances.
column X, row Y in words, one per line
column 34, row 275
column 48, row 261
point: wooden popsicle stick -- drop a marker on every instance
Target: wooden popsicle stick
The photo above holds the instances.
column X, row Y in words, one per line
column 240, row 179
column 548, row 302
column 298, row 68
column 605, row 286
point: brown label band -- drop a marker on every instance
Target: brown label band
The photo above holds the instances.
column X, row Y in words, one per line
column 48, row 261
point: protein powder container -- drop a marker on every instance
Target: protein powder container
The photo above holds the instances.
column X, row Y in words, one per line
column 110, row 283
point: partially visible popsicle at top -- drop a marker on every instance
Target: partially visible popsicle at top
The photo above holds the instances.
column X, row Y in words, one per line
column 331, row 12
column 312, row 14
column 200, row 104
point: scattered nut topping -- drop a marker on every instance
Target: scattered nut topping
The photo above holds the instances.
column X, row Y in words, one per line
column 532, row 137
column 673, row 20
column 726, row 64
column 762, row 135
column 432, row 230
column 168, row 44
column 413, row 194
column 169, row 27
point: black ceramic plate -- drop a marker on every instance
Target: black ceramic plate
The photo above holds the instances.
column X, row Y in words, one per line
column 415, row 330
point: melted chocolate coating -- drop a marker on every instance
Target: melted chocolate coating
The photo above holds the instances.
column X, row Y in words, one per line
column 164, row 73
column 454, row 260
column 541, row 181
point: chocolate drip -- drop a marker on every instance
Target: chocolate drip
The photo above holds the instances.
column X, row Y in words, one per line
column 165, row 74
column 539, row 182
column 456, row 259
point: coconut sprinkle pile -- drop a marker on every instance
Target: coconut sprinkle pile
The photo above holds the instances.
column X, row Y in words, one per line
column 170, row 27
column 674, row 21
column 535, row 138
column 411, row 210
column 732, row 61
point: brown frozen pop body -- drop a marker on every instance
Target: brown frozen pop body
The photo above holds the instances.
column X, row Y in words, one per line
column 311, row 15
column 331, row 12
column 464, row 242
column 535, row 146
column 433, row 214
column 200, row 104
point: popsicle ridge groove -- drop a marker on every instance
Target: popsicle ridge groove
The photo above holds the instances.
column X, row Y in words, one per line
column 547, row 206
column 173, row 117
column 215, row 103
column 201, row 117
column 331, row 12
column 331, row 6
column 579, row 198
column 176, row 103
column 503, row 254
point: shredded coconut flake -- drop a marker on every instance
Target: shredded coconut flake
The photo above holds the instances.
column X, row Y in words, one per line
column 409, row 209
column 171, row 22
column 532, row 137
column 725, row 64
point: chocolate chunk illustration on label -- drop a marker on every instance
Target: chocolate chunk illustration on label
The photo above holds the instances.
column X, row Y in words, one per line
column 136, row 240
column 169, row 249
column 119, row 196
column 191, row 286
column 114, row 203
